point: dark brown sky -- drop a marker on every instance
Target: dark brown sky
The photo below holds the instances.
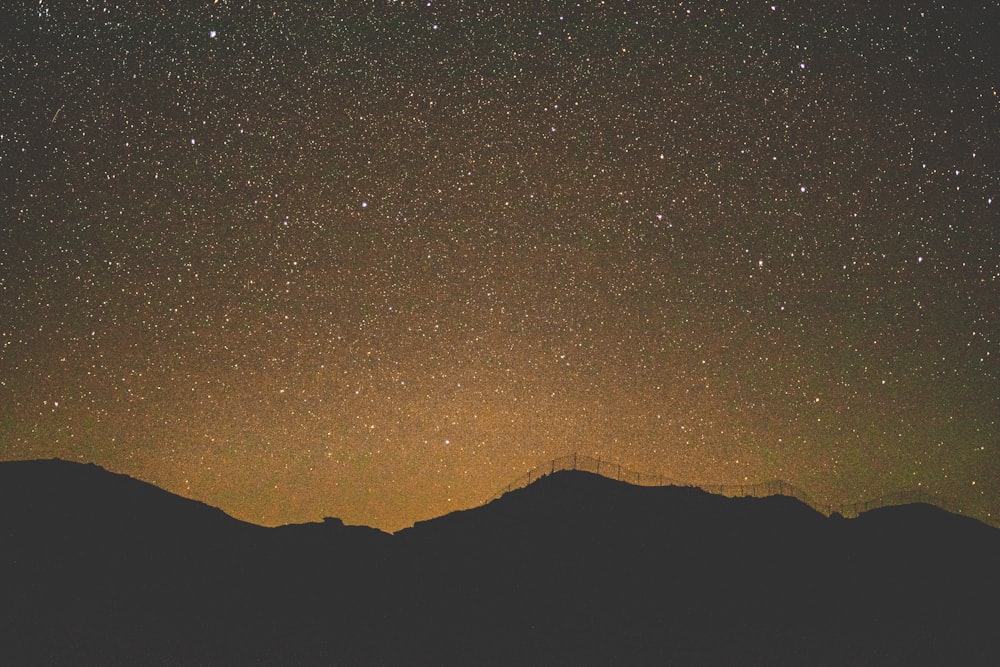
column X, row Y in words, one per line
column 375, row 260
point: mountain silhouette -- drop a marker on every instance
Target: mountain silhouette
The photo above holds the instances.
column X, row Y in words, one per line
column 575, row 568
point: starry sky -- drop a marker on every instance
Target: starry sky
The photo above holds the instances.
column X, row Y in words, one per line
column 375, row 260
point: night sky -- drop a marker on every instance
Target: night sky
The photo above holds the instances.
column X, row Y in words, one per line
column 375, row 260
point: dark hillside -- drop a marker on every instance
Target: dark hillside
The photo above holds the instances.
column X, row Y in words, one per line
column 575, row 568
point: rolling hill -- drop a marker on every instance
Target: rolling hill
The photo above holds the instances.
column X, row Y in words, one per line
column 99, row 568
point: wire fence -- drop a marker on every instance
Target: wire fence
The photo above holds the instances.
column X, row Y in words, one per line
column 775, row 487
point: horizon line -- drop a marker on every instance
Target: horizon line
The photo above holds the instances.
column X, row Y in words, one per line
column 773, row 487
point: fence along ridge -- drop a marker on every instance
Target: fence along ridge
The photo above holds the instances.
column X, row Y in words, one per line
column 776, row 487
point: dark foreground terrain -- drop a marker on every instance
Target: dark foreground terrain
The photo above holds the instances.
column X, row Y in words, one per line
column 101, row 569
